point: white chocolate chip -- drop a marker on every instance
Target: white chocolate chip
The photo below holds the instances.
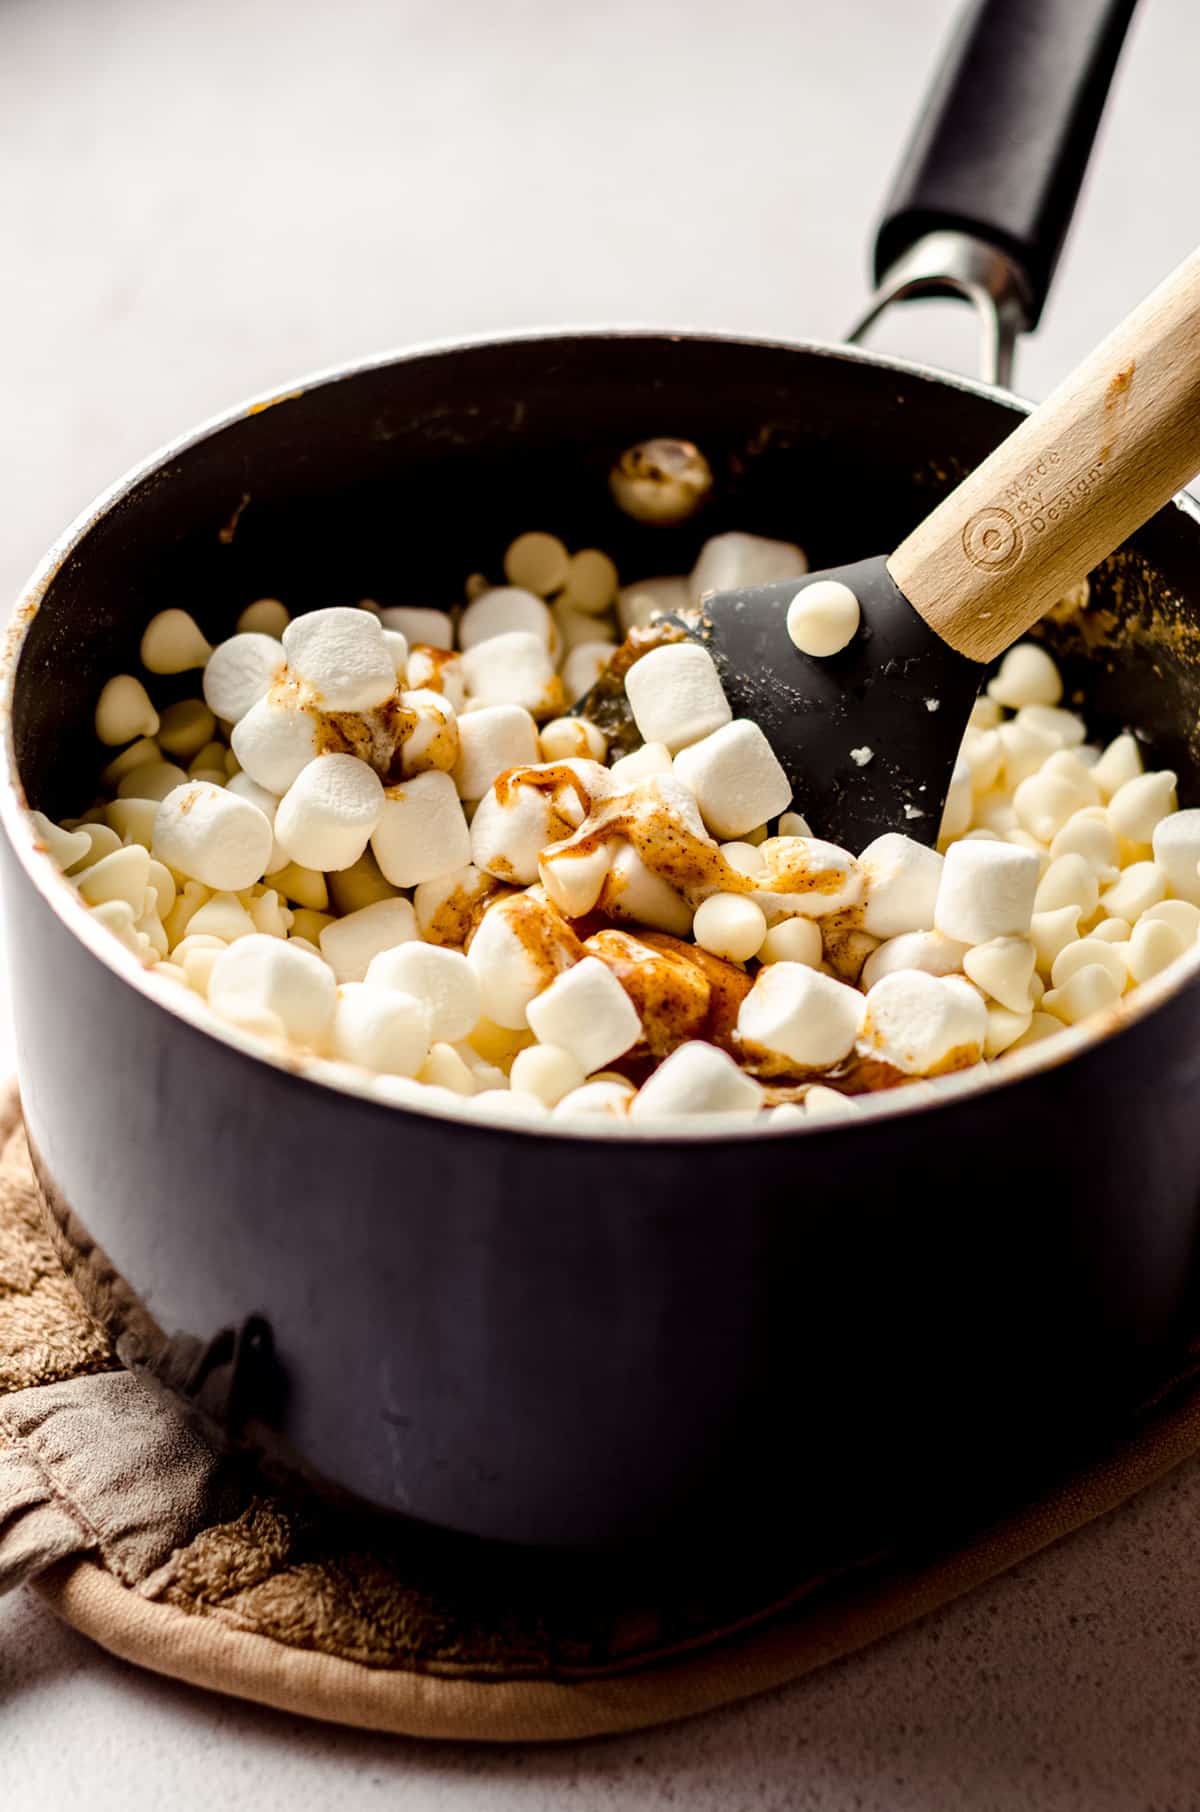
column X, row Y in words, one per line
column 1027, row 676
column 124, row 711
column 173, row 643
column 823, row 618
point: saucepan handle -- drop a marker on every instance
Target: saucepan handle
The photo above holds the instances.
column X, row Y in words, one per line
column 984, row 195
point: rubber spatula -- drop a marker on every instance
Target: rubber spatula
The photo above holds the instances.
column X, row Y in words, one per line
column 1112, row 444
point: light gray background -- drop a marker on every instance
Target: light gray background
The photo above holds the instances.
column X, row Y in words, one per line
column 200, row 201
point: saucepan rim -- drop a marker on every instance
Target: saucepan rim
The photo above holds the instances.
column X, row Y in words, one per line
column 393, row 1094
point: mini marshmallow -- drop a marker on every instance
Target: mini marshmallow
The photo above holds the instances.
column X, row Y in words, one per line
column 448, row 907
column 266, row 616
column 733, row 561
column 1070, row 880
column 537, row 562
column 443, row 979
column 433, row 670
column 1090, row 990
column 602, row 1100
column 397, row 647
column 1151, row 947
column 735, row 776
column 65, row 847
column 696, row 1079
column 506, row 610
column 519, row 946
column 265, row 973
column 547, row 1071
column 239, row 673
column 173, row 643
column 1050, row 932
column 213, row 836
column 185, row 728
column 1140, row 886
column 1120, row 762
column 902, row 879
column 1081, row 953
column 653, row 758
column 921, row 1023
column 490, row 741
column 381, row 1029
column 631, row 890
column 566, row 737
column 151, row 780
column 329, row 813
column 730, row 925
column 587, row 1012
column 123, row 711
column 796, row 1012
column 1004, row 969
column 341, row 654
column 926, row 950
column 124, row 875
column 986, row 891
column 676, row 697
column 1140, row 805
column 591, row 582
column 423, row 628
column 823, row 618
column 803, row 875
column 639, row 604
column 513, row 669
column 1176, row 843
column 529, row 809
column 275, row 740
column 574, row 881
column 351, row 944
column 431, row 734
column 584, row 665
column 422, row 832
column 793, row 941
column 1027, row 676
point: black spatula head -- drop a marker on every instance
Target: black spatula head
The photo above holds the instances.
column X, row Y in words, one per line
column 868, row 737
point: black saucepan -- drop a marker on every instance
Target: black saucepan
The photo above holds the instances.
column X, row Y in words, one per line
column 564, row 1339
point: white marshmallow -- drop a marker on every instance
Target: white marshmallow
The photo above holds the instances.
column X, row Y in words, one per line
column 640, row 603
column 695, row 1079
column 601, row 1100
column 798, row 1013
column 901, row 880
column 397, row 647
column 422, row 832
column 342, row 655
column 529, row 809
column 267, row 974
column 351, row 944
column 275, row 740
column 513, row 669
column 547, row 1071
column 918, row 1022
column 506, row 610
column 537, row 562
column 793, row 941
column 803, row 875
column 446, row 907
column 735, row 777
column 432, row 670
column 823, row 618
column 926, row 950
column 675, row 695
column 381, row 1029
column 574, row 882
column 1027, row 676
column 1004, row 969
column 1176, row 842
column 519, row 946
column 490, row 741
column 732, row 561
column 329, row 813
column 213, row 836
column 123, row 711
column 986, row 891
column 631, row 890
column 239, row 673
column 172, row 643
column 730, row 925
column 431, row 734
column 266, row 616
column 587, row 1012
column 584, row 665
column 423, row 628
column 443, row 979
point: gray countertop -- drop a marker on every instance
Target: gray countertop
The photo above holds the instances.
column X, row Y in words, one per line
column 199, row 202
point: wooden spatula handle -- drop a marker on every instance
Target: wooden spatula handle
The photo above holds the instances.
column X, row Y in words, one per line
column 1113, row 443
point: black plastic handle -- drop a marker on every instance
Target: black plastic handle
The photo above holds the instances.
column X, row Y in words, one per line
column 1006, row 131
